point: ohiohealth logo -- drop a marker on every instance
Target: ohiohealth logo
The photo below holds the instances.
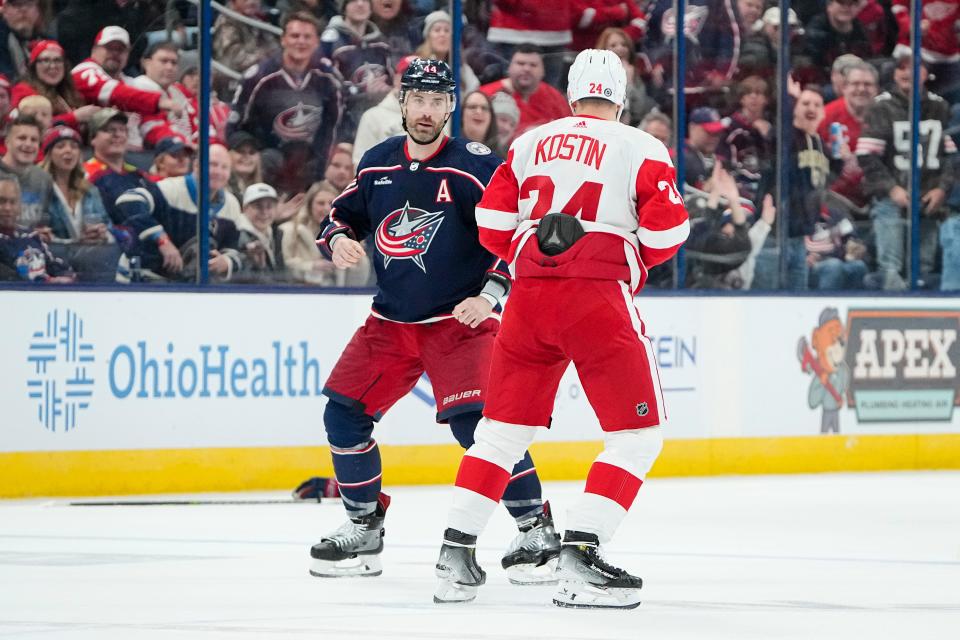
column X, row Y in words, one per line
column 61, row 384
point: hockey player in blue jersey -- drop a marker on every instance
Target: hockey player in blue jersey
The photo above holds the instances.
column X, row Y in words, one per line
column 434, row 312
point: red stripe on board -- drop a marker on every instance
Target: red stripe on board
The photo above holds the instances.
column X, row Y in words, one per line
column 612, row 482
column 480, row 476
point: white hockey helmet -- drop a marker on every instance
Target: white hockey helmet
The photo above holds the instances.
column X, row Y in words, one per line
column 597, row 74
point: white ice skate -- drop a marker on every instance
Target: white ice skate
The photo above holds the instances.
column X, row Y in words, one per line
column 587, row 581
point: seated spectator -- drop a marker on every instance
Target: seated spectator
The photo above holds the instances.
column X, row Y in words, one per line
column 638, row 102
column 392, row 17
column 352, row 40
column 245, row 162
column 828, row 36
column 885, row 162
column 840, row 129
column 834, row 90
column 47, row 76
column 36, row 187
column 477, row 123
column 537, row 101
column 107, row 169
column 181, row 192
column 100, row 78
column 939, row 43
column 23, row 253
column 759, row 50
column 81, row 22
column 748, row 143
column 592, row 17
column 5, row 99
column 160, row 76
column 173, row 158
column 300, row 253
column 719, row 242
column 295, row 122
column 19, row 28
column 545, row 26
column 82, row 232
column 660, row 126
column 340, row 170
column 437, row 34
column 383, row 120
column 507, row 115
column 704, row 132
column 40, row 109
column 834, row 254
column 880, row 25
column 238, row 45
column 750, row 12
column 166, row 242
column 260, row 240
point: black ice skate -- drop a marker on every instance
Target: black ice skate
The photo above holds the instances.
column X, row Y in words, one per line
column 353, row 549
column 532, row 556
column 587, row 581
column 457, row 568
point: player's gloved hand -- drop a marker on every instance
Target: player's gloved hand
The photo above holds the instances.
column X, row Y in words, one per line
column 473, row 311
column 317, row 489
column 347, row 252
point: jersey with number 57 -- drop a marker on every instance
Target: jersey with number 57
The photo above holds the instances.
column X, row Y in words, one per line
column 620, row 183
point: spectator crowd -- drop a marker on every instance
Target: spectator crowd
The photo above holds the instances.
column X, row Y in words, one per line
column 99, row 126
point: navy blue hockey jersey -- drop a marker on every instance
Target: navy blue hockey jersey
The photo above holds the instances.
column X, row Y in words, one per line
column 420, row 214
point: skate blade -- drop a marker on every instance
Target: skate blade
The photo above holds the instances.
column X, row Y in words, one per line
column 357, row 567
column 530, row 574
column 587, row 596
column 450, row 592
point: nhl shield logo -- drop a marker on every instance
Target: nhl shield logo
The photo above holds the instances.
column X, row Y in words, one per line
column 406, row 234
column 642, row 409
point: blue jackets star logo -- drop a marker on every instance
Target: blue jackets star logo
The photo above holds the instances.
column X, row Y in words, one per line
column 406, row 234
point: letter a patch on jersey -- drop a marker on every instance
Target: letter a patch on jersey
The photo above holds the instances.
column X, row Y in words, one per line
column 443, row 193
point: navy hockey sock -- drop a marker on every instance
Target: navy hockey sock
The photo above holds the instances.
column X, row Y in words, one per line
column 356, row 457
column 524, row 495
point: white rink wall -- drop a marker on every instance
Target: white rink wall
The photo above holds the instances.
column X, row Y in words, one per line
column 124, row 371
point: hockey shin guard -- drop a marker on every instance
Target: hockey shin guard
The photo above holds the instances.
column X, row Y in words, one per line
column 356, row 457
column 485, row 472
column 523, row 495
column 614, row 480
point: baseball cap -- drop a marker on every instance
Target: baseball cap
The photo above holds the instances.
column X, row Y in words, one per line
column 44, row 45
column 709, row 119
column 58, row 133
column 258, row 191
column 112, row 34
column 772, row 17
column 102, row 117
column 171, row 145
column 239, row 138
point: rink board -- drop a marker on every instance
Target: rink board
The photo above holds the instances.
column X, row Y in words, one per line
column 121, row 392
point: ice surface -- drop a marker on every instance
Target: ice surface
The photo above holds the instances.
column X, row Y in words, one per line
column 819, row 556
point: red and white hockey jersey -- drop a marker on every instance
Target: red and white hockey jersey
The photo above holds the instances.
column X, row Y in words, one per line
column 620, row 183
column 97, row 87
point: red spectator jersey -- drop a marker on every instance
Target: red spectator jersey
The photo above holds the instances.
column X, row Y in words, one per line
column 847, row 183
column 97, row 87
column 591, row 17
column 545, row 24
column 543, row 105
column 619, row 181
column 940, row 43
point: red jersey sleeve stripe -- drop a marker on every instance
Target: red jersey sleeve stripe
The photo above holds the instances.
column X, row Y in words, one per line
column 665, row 238
column 497, row 220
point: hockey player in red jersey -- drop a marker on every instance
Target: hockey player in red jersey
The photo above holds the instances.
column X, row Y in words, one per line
column 581, row 209
column 434, row 312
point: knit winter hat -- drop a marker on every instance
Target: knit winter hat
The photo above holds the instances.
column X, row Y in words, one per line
column 505, row 105
column 433, row 18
